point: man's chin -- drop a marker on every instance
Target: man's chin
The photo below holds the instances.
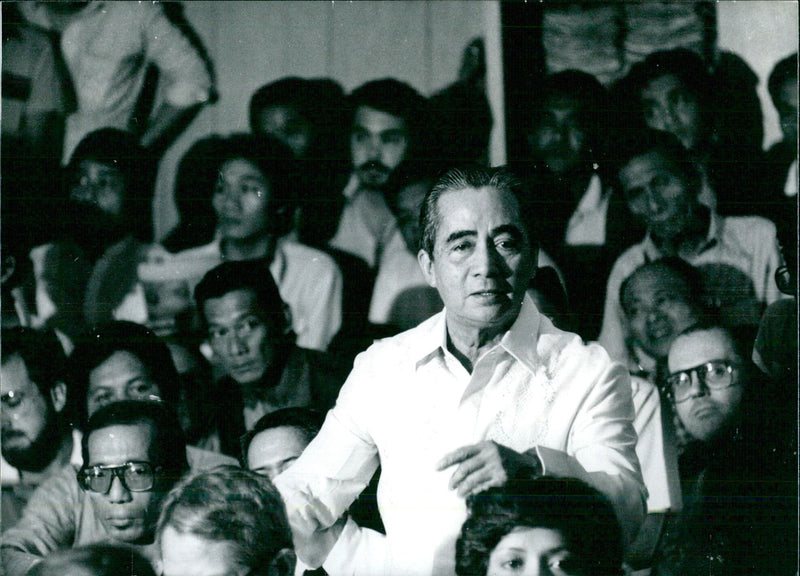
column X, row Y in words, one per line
column 372, row 179
column 133, row 533
column 26, row 456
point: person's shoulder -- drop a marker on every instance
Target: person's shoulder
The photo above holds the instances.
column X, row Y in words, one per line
column 202, row 459
column 417, row 341
column 628, row 261
column 749, row 227
column 322, row 362
column 305, row 255
column 204, row 251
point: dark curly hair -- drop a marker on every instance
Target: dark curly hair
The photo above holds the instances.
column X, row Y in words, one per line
column 580, row 513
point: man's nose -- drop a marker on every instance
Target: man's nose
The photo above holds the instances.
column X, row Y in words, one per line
column 374, row 148
column 118, row 493
column 237, row 345
column 230, row 197
column 697, row 388
column 654, row 202
column 488, row 261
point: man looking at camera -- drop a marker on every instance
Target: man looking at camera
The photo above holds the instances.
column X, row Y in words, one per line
column 465, row 400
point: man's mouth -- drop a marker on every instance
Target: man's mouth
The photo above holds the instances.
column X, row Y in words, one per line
column 659, row 333
column 12, row 436
column 491, row 294
column 122, row 522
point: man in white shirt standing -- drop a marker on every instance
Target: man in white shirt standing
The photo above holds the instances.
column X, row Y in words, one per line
column 463, row 401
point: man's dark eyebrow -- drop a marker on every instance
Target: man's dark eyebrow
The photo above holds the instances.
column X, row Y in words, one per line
column 508, row 229
column 394, row 132
column 459, row 234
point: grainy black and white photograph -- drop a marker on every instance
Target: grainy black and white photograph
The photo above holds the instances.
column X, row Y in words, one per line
column 399, row 288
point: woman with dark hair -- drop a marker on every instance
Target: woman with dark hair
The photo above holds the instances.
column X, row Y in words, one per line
column 553, row 526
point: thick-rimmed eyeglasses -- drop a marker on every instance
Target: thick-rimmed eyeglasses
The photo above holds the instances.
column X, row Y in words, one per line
column 135, row 476
column 713, row 375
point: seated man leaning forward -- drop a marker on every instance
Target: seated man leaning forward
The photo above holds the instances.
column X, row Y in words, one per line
column 133, row 453
column 250, row 334
column 463, row 401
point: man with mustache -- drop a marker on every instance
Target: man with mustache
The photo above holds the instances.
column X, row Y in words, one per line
column 36, row 439
column 383, row 134
column 478, row 393
column 133, row 452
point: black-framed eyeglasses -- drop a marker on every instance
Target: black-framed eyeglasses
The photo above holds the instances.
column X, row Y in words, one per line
column 713, row 375
column 135, row 476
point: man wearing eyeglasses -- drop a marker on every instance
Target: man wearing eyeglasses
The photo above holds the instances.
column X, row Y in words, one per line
column 133, row 453
column 706, row 381
column 739, row 461
column 36, row 438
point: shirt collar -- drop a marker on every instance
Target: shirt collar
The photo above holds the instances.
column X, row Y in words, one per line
column 521, row 340
column 716, row 225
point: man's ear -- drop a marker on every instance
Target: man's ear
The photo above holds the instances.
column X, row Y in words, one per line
column 283, row 564
column 58, row 396
column 426, row 263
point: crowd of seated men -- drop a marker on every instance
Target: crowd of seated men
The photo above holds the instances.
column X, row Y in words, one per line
column 152, row 391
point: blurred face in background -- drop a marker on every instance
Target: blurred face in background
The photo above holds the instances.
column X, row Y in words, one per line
column 786, row 105
column 378, row 144
column 273, row 450
column 287, row 125
column 407, row 209
column 657, row 308
column 657, row 193
column 97, row 199
column 669, row 106
column 241, row 198
column 559, row 138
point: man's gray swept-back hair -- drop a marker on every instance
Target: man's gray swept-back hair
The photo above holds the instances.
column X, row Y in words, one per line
column 500, row 179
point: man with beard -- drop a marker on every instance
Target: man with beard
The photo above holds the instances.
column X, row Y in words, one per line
column 85, row 277
column 383, row 134
column 249, row 332
column 36, row 438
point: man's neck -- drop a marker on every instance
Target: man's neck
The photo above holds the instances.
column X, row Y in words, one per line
column 277, row 389
column 248, row 248
column 690, row 238
column 61, row 459
column 576, row 181
column 468, row 344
